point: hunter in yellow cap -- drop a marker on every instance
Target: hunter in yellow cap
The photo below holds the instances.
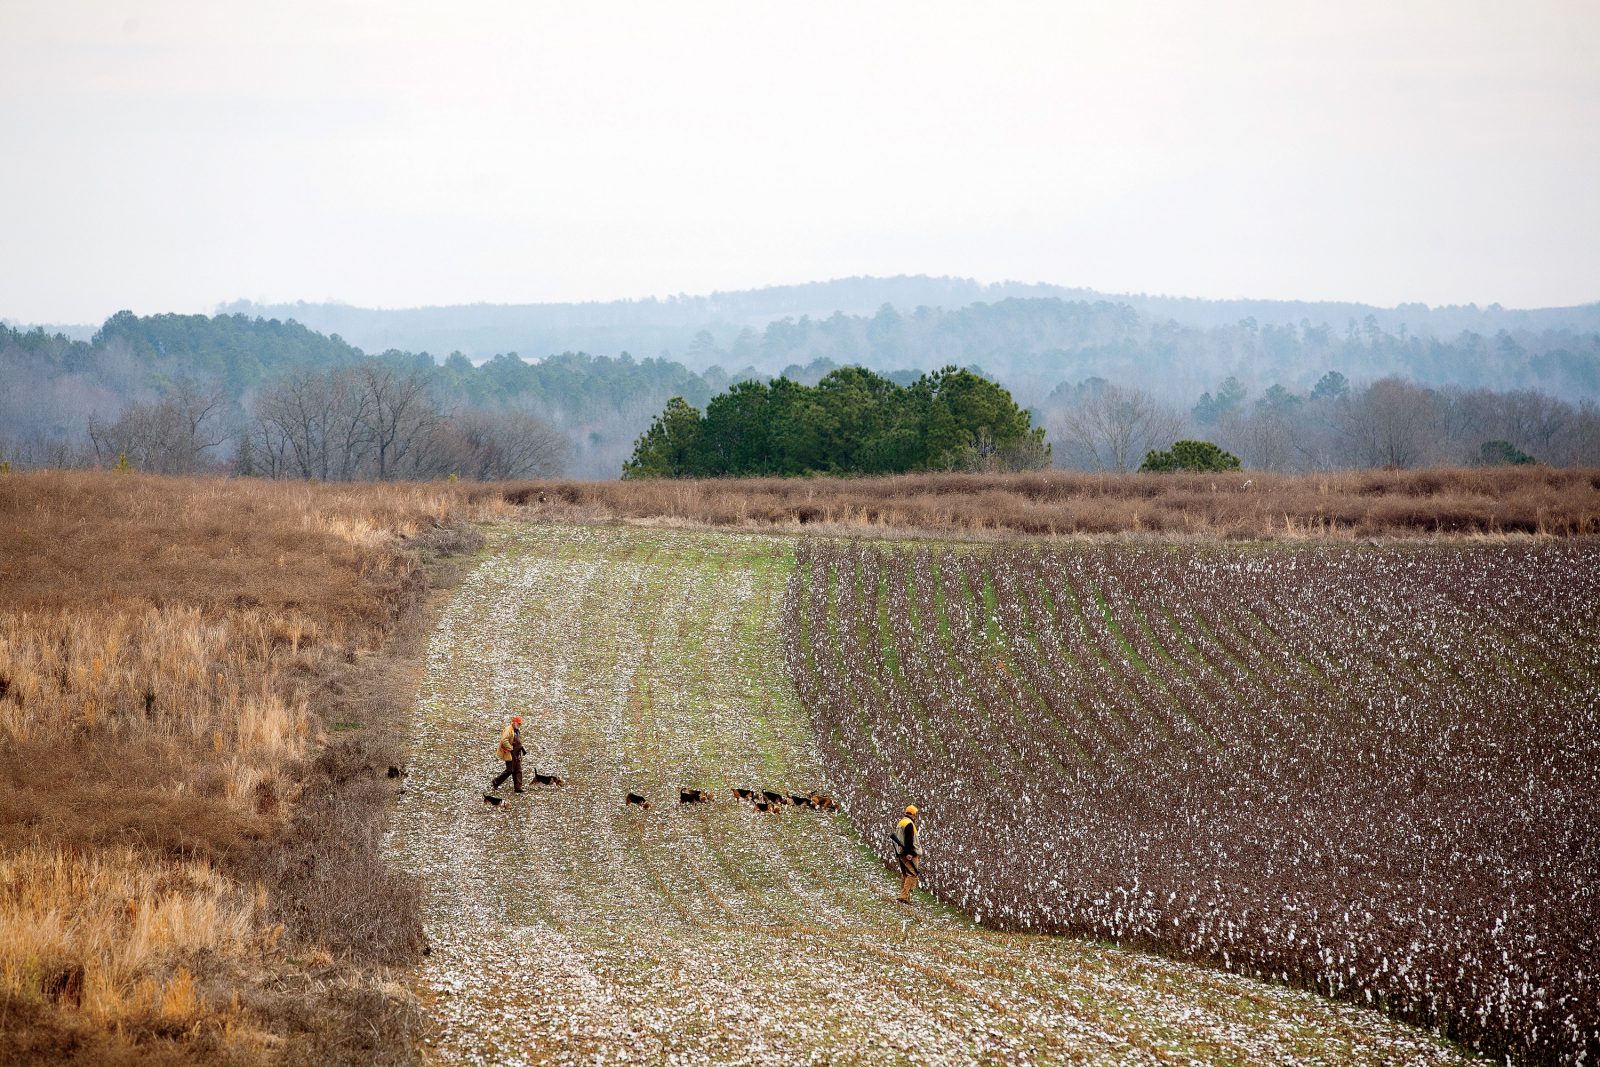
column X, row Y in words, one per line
column 908, row 848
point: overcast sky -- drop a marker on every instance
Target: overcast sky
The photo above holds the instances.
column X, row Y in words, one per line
column 168, row 156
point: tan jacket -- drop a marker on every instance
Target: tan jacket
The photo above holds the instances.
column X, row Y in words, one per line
column 510, row 743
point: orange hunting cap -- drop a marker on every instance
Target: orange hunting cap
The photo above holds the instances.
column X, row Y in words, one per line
column 516, row 720
column 911, row 809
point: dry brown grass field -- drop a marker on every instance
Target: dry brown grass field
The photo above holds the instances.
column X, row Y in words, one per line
column 1355, row 504
column 199, row 701
column 203, row 682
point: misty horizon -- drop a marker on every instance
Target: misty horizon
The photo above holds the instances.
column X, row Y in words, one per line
column 233, row 306
column 665, row 296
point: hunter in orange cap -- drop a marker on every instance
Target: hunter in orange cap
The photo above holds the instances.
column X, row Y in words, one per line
column 510, row 751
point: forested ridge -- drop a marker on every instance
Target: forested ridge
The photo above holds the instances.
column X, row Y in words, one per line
column 1105, row 381
column 706, row 329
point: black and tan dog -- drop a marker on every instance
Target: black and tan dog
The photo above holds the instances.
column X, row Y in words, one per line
column 694, row 796
column 774, row 798
column 548, row 779
column 636, row 798
column 744, row 794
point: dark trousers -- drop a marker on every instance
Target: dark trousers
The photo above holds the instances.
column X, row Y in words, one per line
column 513, row 771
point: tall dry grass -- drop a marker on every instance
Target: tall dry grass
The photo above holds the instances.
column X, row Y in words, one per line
column 160, row 672
column 171, row 651
column 108, row 934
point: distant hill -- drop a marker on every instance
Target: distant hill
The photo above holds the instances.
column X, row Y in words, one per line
column 645, row 327
column 670, row 326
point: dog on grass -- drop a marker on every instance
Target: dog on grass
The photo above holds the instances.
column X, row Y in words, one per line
column 745, row 794
column 548, row 779
column 636, row 798
column 694, row 796
column 492, row 800
column 774, row 798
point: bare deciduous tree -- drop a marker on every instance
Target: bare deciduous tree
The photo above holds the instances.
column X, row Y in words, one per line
column 264, row 451
column 376, row 421
column 1535, row 420
column 301, row 409
column 1390, row 424
column 490, row 446
column 397, row 417
column 1109, row 427
column 173, row 435
column 1267, row 441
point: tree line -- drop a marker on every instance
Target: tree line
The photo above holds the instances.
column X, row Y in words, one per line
column 177, row 392
column 376, row 421
column 1336, row 424
column 370, row 421
column 52, row 388
column 851, row 421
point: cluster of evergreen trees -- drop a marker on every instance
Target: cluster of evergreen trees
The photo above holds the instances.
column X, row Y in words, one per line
column 852, row 421
column 1189, row 456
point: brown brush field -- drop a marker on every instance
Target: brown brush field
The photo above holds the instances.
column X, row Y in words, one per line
column 197, row 714
column 1348, row 505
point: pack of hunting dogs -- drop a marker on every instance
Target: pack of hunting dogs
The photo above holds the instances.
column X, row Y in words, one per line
column 905, row 836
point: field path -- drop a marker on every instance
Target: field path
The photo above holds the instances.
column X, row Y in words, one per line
column 568, row 929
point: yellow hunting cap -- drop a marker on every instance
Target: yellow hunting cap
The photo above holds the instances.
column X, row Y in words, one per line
column 911, row 809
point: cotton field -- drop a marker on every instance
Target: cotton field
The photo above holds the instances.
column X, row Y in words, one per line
column 1373, row 772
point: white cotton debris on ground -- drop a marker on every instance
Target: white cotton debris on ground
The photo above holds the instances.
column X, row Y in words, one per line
column 568, row 928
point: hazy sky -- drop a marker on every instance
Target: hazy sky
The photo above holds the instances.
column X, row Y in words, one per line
column 168, row 156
